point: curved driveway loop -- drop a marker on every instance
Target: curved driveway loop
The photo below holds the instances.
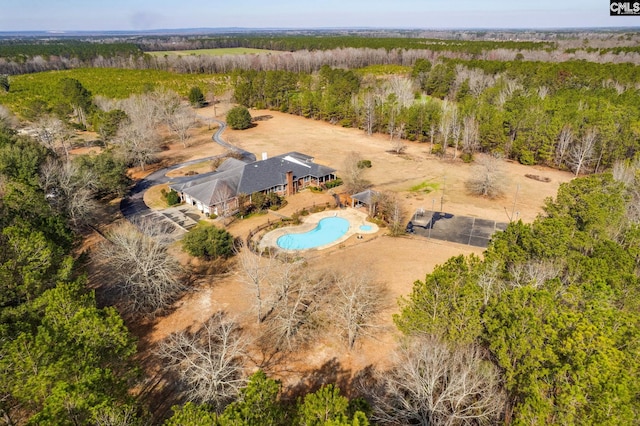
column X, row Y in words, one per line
column 133, row 204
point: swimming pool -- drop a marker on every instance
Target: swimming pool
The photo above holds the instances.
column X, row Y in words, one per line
column 327, row 231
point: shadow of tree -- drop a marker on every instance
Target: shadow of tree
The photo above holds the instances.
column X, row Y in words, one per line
column 331, row 372
column 262, row 117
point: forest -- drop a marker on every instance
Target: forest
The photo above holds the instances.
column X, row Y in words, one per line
column 543, row 328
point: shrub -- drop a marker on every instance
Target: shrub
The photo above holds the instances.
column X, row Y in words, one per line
column 467, row 157
column 209, row 242
column 171, row 197
column 263, row 201
column 196, row 97
column 437, row 149
column 239, row 118
column 364, row 164
column 527, row 158
column 333, row 183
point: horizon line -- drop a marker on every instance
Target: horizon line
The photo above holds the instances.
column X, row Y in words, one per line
column 324, row 28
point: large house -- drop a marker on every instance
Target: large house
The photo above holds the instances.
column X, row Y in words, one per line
column 217, row 192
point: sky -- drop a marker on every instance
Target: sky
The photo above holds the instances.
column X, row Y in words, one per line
column 124, row 15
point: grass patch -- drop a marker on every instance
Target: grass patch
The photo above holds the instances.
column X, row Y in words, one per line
column 154, row 199
column 383, row 70
column 425, row 187
column 212, row 52
column 199, row 168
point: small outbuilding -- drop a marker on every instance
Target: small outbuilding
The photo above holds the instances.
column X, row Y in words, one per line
column 368, row 198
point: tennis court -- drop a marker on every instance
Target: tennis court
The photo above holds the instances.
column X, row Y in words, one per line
column 455, row 228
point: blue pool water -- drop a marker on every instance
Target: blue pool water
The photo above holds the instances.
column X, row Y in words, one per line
column 365, row 227
column 328, row 230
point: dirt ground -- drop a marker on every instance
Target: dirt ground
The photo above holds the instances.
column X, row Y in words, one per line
column 397, row 262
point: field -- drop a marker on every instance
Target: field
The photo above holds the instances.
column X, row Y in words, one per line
column 108, row 82
column 212, row 52
column 420, row 179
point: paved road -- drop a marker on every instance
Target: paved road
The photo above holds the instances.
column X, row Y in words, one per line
column 133, row 204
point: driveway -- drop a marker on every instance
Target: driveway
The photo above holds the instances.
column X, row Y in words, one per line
column 132, row 206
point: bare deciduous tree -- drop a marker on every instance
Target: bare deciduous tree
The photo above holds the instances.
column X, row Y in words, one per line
column 393, row 109
column 627, row 173
column 432, row 384
column 53, row 133
column 207, row 362
column 145, row 275
column 390, row 209
column 256, row 271
column 359, row 299
column 352, row 174
column 398, row 145
column 456, row 129
column 369, row 111
column 297, row 297
column 139, row 142
column 565, row 139
column 125, row 415
column 144, row 109
column 167, row 104
column 432, row 133
column 543, row 91
column 487, row 178
column 69, row 190
column 470, row 134
column 7, row 118
column 581, row 153
column 534, row 273
column 182, row 120
column 445, row 124
column 404, row 89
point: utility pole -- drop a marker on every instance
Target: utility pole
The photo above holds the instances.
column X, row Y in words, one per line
column 444, row 186
column 515, row 199
column 433, row 202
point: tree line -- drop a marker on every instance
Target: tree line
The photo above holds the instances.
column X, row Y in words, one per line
column 64, row 359
column 331, row 42
column 569, row 115
column 294, row 52
column 69, row 49
column 554, row 304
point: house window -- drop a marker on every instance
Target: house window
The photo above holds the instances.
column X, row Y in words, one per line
column 307, row 179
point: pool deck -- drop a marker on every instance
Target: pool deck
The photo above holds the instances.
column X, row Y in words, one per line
column 356, row 220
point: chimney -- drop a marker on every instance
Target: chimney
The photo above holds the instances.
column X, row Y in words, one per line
column 290, row 189
column 264, row 156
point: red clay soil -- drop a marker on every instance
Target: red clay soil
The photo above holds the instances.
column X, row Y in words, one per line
column 397, row 262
